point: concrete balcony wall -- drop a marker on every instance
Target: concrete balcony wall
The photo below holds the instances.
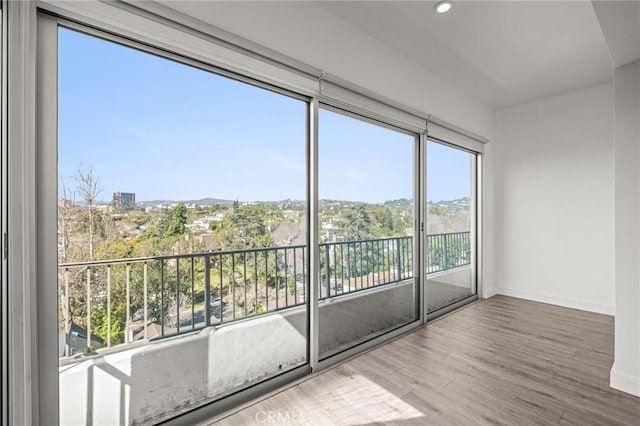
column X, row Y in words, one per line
column 447, row 287
column 459, row 277
column 347, row 320
column 161, row 379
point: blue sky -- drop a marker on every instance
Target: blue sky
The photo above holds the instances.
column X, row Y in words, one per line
column 448, row 173
column 164, row 130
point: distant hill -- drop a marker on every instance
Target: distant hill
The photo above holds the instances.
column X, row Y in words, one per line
column 458, row 204
column 401, row 203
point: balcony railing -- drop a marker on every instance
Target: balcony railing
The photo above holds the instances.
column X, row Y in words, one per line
column 349, row 266
column 448, row 251
column 120, row 301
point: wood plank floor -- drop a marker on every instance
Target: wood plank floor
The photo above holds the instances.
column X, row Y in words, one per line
column 499, row 361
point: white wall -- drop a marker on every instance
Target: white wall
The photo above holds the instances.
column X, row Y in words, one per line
column 554, row 190
column 625, row 374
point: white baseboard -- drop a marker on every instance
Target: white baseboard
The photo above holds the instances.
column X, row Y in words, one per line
column 624, row 382
column 489, row 292
column 556, row 300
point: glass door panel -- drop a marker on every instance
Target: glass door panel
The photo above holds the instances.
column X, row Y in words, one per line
column 451, row 225
column 366, row 187
column 182, row 221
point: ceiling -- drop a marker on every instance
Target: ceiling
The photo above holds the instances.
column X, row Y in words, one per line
column 500, row 52
column 620, row 22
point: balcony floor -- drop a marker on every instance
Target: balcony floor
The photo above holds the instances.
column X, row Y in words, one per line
column 498, row 361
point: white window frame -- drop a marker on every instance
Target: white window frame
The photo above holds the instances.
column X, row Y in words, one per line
column 19, row 129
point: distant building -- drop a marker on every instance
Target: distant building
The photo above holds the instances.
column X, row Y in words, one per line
column 123, row 200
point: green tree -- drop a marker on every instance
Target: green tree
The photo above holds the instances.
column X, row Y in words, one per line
column 173, row 221
column 249, row 226
column 141, row 219
column 356, row 223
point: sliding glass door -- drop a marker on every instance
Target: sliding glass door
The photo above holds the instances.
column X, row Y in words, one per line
column 182, row 234
column 450, row 208
column 366, row 190
column 178, row 198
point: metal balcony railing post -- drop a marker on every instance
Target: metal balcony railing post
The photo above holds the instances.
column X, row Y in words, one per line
column 446, row 251
column 207, row 291
column 348, row 263
column 327, row 269
column 244, row 282
column 379, row 257
column 277, row 276
column 162, row 297
column 178, row 295
column 266, row 281
column 295, row 278
column 193, row 295
column 89, row 308
column 304, row 275
column 145, row 312
column 335, row 267
column 108, row 305
column 390, row 261
column 399, row 260
column 232, row 283
column 358, row 264
column 286, row 280
column 369, row 268
column 67, row 315
column 128, row 314
column 341, row 267
column 255, row 281
column 219, row 291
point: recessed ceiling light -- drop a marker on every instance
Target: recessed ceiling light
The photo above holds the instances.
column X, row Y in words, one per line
column 442, row 6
